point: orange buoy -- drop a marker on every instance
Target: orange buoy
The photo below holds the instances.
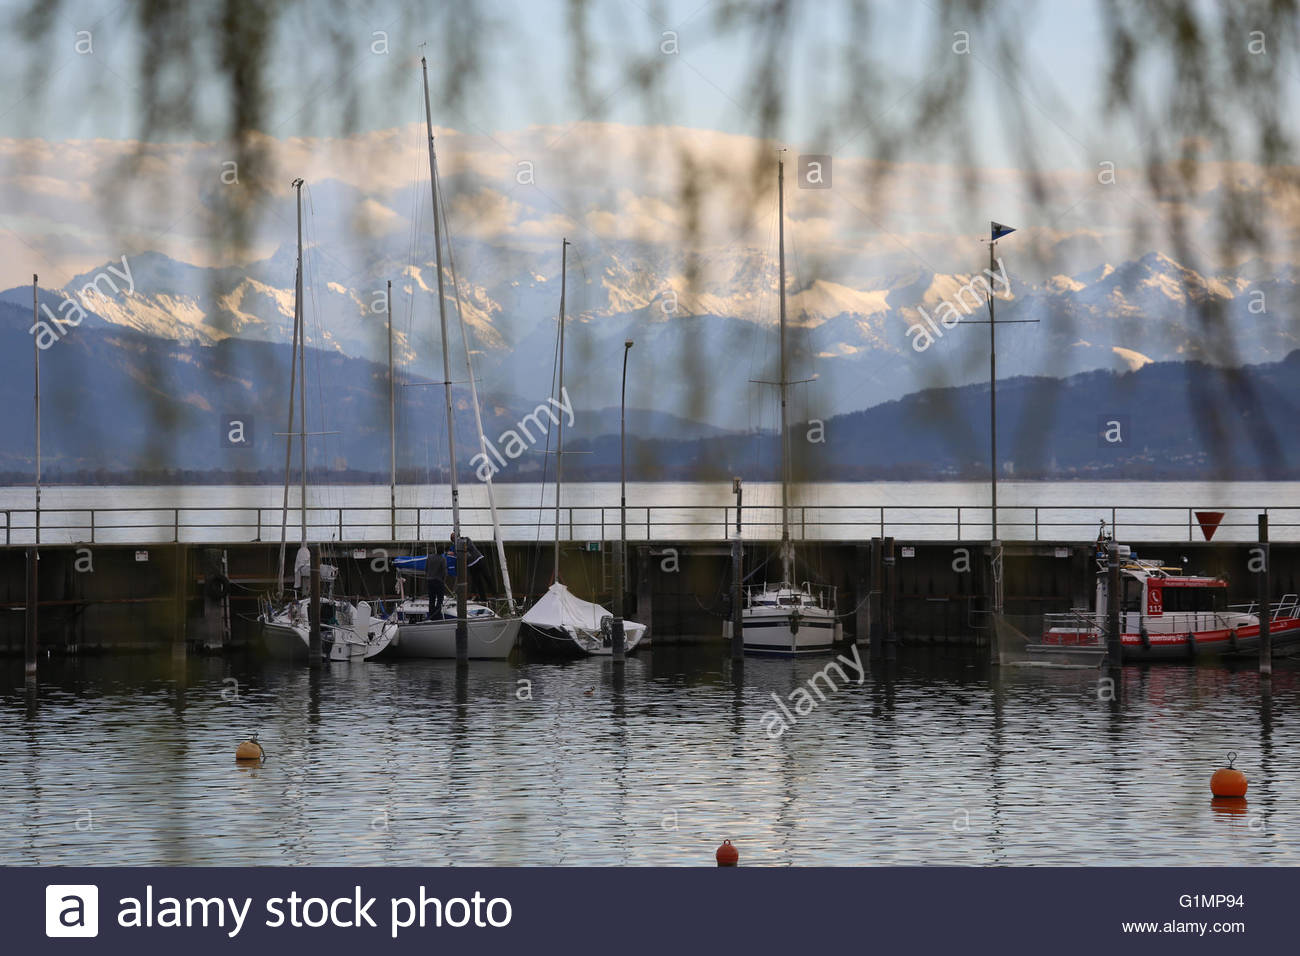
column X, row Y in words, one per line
column 249, row 750
column 1228, row 781
column 727, row 854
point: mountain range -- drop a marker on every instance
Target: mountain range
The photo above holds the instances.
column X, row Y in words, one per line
column 120, row 404
column 703, row 326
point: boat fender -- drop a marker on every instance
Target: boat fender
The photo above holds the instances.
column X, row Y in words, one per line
column 1232, row 639
column 1145, row 637
column 218, row 587
column 1191, row 644
column 794, row 623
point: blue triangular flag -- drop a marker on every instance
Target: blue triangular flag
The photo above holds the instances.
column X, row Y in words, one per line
column 1000, row 230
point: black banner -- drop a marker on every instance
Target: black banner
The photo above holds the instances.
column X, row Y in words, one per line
column 645, row 910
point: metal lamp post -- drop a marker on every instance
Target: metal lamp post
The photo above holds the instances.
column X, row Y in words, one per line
column 619, row 584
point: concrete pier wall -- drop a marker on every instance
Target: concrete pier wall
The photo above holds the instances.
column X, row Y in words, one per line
column 117, row 597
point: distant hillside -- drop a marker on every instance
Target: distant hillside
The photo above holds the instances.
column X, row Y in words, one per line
column 124, row 405
column 1165, row 421
column 121, row 403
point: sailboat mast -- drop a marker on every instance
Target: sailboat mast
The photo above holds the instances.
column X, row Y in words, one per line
column 559, row 443
column 462, row 568
column 478, row 424
column 442, row 307
column 37, row 402
column 302, row 379
column 288, row 435
column 787, row 556
column 392, row 424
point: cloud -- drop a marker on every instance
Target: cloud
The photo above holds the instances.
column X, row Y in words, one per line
column 70, row 205
column 485, row 213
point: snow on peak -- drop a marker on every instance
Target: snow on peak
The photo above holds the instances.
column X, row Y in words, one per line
column 825, row 300
column 1134, row 360
column 1063, row 283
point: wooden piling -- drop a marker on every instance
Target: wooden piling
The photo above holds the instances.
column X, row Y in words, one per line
column 645, row 589
column 619, row 650
column 215, row 628
column 862, row 592
column 1114, row 637
column 462, row 601
column 737, row 598
column 890, row 600
column 997, row 571
column 313, row 643
column 33, row 610
column 179, row 595
column 875, row 632
column 1265, row 602
column 876, row 603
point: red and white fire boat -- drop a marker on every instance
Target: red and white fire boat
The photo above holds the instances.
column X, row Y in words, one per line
column 1168, row 615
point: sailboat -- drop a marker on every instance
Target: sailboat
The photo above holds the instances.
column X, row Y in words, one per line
column 348, row 631
column 489, row 634
column 787, row 618
column 561, row 623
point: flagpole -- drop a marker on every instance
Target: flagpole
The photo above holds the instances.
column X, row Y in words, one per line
column 995, row 545
column 993, row 404
column 996, row 232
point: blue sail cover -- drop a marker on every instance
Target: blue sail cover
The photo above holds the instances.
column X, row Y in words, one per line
column 412, row 564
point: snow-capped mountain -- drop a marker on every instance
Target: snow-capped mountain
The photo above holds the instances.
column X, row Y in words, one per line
column 704, row 325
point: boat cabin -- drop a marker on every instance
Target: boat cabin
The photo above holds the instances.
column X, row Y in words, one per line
column 785, row 595
column 1162, row 600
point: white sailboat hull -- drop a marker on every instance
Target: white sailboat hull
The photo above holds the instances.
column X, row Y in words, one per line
column 285, row 642
column 489, row 638
column 286, row 636
column 788, row 631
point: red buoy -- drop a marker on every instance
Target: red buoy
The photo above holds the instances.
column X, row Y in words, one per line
column 727, row 854
column 1228, row 781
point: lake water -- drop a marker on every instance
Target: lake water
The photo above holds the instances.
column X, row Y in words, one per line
column 910, row 511
column 129, row 760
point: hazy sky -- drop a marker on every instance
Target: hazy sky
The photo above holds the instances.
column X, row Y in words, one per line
column 343, row 75
column 527, row 76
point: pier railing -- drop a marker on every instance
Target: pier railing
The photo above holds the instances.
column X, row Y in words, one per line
column 228, row 525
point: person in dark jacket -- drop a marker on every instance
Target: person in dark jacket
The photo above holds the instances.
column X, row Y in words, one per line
column 480, row 582
column 435, row 576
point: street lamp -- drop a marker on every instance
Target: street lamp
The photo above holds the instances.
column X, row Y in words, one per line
column 620, row 584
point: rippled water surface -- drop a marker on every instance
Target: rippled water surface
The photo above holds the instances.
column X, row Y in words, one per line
column 130, row 760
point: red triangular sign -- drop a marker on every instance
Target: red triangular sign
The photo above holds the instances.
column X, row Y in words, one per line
column 1209, row 522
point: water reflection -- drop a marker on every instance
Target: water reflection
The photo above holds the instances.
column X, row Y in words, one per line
column 935, row 758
